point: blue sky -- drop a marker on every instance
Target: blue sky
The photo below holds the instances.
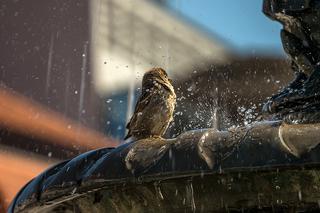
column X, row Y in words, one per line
column 238, row 22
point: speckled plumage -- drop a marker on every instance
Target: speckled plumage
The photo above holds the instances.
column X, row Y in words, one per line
column 154, row 109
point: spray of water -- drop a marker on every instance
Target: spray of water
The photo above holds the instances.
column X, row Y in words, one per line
column 66, row 91
column 131, row 88
column 49, row 66
column 83, row 78
column 130, row 100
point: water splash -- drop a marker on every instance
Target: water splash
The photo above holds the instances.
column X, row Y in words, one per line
column 167, row 57
column 249, row 114
column 49, row 66
column 190, row 196
column 216, row 118
column 130, row 100
column 158, row 190
column 300, row 195
column 66, row 91
column 83, row 78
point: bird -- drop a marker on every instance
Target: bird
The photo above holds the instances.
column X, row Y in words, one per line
column 154, row 108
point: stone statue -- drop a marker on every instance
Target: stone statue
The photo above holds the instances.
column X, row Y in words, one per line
column 299, row 101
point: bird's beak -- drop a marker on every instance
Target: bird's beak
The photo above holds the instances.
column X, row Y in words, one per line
column 170, row 80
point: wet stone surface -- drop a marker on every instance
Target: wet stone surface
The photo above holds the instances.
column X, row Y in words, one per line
column 199, row 170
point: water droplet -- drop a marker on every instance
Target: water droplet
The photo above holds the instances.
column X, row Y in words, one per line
column 158, row 190
column 74, row 190
column 299, row 195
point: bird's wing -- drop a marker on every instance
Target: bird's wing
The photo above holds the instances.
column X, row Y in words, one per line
column 142, row 103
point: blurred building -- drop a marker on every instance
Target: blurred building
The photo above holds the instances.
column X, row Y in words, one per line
column 130, row 37
column 71, row 70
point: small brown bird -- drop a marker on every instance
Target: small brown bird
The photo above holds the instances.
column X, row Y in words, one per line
column 154, row 109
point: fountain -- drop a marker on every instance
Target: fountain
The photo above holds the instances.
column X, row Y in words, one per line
column 265, row 166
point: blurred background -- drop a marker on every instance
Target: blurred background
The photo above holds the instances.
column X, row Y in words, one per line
column 70, row 72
